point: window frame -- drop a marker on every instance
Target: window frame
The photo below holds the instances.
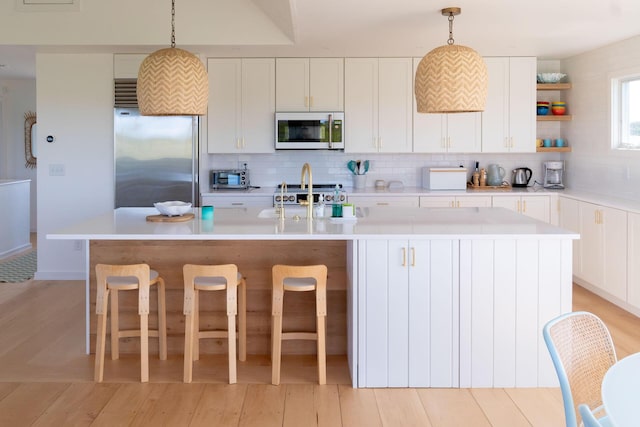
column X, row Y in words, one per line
column 619, row 108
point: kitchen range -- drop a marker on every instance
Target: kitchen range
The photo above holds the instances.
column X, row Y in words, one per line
column 293, row 194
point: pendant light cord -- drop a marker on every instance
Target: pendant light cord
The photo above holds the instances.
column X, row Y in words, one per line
column 450, row 40
column 173, row 24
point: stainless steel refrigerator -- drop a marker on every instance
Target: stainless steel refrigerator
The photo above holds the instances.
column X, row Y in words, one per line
column 156, row 158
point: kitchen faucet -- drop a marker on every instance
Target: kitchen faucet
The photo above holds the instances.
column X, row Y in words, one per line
column 306, row 170
column 283, row 189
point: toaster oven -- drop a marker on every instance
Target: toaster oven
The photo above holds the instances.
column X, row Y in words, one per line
column 229, row 179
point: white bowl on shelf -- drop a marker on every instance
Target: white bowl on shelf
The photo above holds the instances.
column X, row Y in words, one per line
column 550, row 77
column 173, row 208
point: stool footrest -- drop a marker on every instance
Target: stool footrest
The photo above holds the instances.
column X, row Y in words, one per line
column 213, row 334
column 132, row 333
column 300, row 336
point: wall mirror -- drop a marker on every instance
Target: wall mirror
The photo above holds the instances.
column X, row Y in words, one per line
column 30, row 139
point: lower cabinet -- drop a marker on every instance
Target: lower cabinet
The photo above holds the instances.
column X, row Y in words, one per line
column 455, row 202
column 570, row 219
column 633, row 254
column 603, row 248
column 407, row 313
column 375, row 200
column 536, row 207
column 237, row 201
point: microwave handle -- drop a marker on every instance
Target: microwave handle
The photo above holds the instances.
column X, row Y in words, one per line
column 330, row 131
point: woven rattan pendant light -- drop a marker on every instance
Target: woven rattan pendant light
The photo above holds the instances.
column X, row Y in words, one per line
column 172, row 81
column 451, row 78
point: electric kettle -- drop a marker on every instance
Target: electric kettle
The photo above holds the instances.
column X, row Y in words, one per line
column 521, row 177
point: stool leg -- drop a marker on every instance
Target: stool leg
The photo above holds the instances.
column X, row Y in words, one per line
column 188, row 348
column 162, row 319
column 242, row 319
column 101, row 335
column 115, row 329
column 276, row 342
column 231, row 339
column 322, row 356
column 196, row 324
column 144, row 348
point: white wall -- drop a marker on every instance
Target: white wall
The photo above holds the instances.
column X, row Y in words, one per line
column 16, row 98
column 75, row 105
column 593, row 165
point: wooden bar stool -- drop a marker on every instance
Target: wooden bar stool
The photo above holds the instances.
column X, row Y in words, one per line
column 214, row 278
column 111, row 279
column 298, row 279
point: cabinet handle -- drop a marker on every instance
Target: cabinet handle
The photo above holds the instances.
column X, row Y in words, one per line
column 382, row 204
column 306, row 101
column 311, row 101
column 238, row 143
column 524, row 206
column 413, row 257
column 457, row 203
column 597, row 214
column 243, row 144
column 511, row 141
column 379, row 142
column 237, row 204
column 404, row 257
column 453, row 204
column 518, row 207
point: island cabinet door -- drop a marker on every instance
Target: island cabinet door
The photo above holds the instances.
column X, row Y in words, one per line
column 407, row 325
column 509, row 289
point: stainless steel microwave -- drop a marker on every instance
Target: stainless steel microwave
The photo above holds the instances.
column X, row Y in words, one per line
column 310, row 131
column 229, row 179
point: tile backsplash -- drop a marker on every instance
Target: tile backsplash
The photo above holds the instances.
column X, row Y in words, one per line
column 331, row 166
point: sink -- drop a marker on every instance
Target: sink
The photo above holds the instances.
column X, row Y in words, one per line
column 289, row 212
column 292, row 212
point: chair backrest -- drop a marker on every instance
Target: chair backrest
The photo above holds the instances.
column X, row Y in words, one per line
column 588, row 419
column 582, row 351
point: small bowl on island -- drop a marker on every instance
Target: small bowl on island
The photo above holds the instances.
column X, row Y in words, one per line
column 173, row 208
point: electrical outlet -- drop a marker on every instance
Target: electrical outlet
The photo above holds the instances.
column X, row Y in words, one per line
column 243, row 164
column 77, row 245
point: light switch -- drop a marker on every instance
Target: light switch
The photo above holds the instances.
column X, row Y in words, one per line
column 56, row 170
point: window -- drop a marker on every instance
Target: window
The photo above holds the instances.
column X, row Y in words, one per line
column 625, row 109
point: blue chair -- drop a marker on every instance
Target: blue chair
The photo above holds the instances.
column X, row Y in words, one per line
column 582, row 351
column 590, row 420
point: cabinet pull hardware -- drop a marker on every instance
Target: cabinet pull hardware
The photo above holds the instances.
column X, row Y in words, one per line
column 453, row 204
column 306, row 101
column 448, row 142
column 311, row 101
column 243, row 144
column 404, row 257
column 379, row 142
column 518, row 207
column 238, row 143
column 237, row 203
column 457, row 203
column 382, row 204
column 524, row 206
column 413, row 257
column 511, row 141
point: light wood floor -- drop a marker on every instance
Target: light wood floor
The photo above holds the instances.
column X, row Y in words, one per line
column 46, row 380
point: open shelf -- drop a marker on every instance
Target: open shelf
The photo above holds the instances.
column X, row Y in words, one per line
column 553, row 86
column 553, row 118
column 553, row 149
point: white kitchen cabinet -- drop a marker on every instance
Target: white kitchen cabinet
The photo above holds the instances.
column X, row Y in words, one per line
column 533, row 206
column 378, row 105
column 360, row 200
column 570, row 219
column 408, row 313
column 445, row 133
column 455, row 201
column 509, row 118
column 240, row 117
column 603, row 248
column 310, row 84
column 633, row 255
column 236, row 200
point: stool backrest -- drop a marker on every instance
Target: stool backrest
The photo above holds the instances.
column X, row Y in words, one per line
column 317, row 272
column 229, row 272
column 140, row 271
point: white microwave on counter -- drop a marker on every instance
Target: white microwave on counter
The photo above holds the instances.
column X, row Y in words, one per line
column 310, row 131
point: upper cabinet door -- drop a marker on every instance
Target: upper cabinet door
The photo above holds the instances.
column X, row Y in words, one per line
column 258, row 105
column 326, row 84
column 361, row 105
column 508, row 121
column 292, row 84
column 315, row 84
column 395, row 89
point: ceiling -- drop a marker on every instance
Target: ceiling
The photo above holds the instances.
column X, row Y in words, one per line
column 543, row 28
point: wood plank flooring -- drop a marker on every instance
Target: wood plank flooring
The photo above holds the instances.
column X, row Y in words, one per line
column 46, row 380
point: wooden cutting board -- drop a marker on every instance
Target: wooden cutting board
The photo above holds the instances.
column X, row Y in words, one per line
column 165, row 218
column 506, row 187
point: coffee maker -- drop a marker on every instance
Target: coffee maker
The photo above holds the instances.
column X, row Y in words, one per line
column 553, row 174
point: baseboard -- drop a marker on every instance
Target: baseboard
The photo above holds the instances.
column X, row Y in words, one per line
column 59, row 275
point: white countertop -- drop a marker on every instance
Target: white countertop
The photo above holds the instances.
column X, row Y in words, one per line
column 373, row 223
column 13, row 181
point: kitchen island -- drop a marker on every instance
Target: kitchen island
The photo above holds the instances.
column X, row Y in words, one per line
column 418, row 297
